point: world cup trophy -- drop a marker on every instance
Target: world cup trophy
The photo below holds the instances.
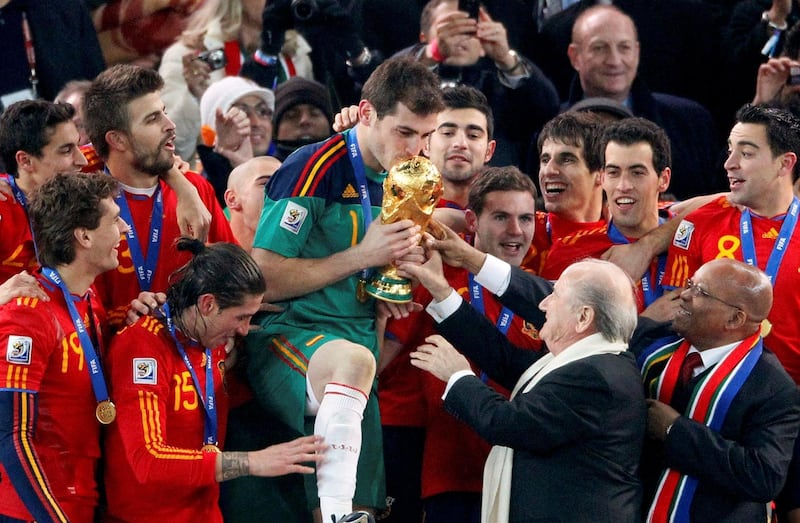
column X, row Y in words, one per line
column 411, row 191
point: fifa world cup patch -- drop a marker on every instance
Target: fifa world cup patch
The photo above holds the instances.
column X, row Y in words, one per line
column 145, row 371
column 683, row 236
column 293, row 217
column 19, row 350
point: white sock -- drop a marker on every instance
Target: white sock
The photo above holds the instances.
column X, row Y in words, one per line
column 338, row 421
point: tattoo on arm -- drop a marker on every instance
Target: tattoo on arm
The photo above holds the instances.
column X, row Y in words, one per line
column 234, row 465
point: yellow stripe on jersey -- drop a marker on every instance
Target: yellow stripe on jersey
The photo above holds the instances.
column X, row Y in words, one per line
column 17, row 377
column 318, row 165
column 27, row 302
column 287, row 352
column 151, row 428
column 679, row 272
column 30, row 456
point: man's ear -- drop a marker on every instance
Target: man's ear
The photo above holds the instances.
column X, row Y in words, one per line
column 490, row 147
column 232, row 200
column 117, row 140
column 366, row 113
column 24, row 160
column 585, row 319
column 471, row 220
column 572, row 53
column 206, row 303
column 83, row 236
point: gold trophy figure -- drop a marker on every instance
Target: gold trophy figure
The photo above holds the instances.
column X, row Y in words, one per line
column 411, row 191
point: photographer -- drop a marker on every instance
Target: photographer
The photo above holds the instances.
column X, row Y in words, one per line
column 340, row 58
column 217, row 38
column 475, row 52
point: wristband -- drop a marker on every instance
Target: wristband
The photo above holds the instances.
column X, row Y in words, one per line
column 264, row 59
column 436, row 54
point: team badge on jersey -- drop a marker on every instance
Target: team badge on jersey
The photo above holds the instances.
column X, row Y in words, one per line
column 145, row 371
column 683, row 236
column 19, row 350
column 293, row 217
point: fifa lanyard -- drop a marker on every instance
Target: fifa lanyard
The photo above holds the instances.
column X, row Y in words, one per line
column 23, row 200
column 361, row 180
column 95, row 368
column 651, row 287
column 144, row 267
column 209, row 399
column 476, row 299
column 778, row 250
column 30, row 54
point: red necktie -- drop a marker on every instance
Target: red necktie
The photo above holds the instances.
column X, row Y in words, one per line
column 690, row 362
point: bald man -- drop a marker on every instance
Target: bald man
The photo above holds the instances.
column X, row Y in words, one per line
column 567, row 444
column 721, row 429
column 244, row 196
column 605, row 55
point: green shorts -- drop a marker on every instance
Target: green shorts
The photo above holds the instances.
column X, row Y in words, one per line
column 276, row 369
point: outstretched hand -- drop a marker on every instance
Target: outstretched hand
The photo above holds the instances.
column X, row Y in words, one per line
column 287, row 458
column 439, row 357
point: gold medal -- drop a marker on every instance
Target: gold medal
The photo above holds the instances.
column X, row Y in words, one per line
column 210, row 448
column 361, row 290
column 766, row 328
column 106, row 412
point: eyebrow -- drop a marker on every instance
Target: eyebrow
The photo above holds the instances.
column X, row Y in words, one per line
column 743, row 143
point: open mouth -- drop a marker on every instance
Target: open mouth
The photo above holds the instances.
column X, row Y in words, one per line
column 554, row 187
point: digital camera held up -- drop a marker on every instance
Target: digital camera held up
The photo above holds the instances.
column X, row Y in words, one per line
column 215, row 58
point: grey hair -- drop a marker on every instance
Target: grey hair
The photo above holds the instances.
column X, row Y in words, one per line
column 615, row 314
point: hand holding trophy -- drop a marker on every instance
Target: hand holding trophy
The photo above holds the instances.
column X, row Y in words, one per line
column 411, row 191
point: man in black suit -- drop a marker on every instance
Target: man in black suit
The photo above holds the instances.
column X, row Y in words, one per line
column 732, row 452
column 738, row 460
column 573, row 431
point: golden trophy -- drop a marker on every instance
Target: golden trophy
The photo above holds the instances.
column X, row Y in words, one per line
column 411, row 191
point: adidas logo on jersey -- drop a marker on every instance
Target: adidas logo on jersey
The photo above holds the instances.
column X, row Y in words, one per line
column 772, row 234
column 349, row 192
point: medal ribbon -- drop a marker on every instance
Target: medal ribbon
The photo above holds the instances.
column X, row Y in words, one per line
column 778, row 250
column 709, row 404
column 23, row 200
column 652, row 287
column 144, row 267
column 95, row 368
column 476, row 299
column 209, row 400
column 361, row 180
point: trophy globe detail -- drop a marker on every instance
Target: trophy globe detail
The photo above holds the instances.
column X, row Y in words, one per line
column 411, row 191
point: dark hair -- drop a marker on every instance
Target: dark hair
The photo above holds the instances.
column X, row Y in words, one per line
column 493, row 179
column 63, row 204
column 466, row 97
column 221, row 269
column 631, row 131
column 577, row 129
column 105, row 104
column 27, row 126
column 783, row 129
column 791, row 46
column 402, row 80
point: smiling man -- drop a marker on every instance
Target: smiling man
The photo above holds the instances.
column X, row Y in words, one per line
column 130, row 130
column 635, row 172
column 760, row 228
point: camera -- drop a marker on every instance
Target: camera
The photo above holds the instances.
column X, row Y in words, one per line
column 471, row 7
column 215, row 58
column 794, row 75
column 303, row 10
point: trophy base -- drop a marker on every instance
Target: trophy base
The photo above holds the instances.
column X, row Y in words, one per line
column 385, row 288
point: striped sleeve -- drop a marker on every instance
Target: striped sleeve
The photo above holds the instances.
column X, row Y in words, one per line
column 17, row 420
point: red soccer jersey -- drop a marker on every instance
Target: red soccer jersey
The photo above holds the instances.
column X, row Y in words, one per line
column 454, row 453
column 713, row 231
column 118, row 287
column 154, row 468
column 16, row 244
column 44, row 357
column 549, row 229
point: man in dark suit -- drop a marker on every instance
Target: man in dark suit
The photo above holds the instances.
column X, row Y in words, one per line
column 725, row 426
column 573, row 430
column 736, row 451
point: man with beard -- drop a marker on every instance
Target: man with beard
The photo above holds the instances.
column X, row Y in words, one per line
column 130, row 130
column 302, row 115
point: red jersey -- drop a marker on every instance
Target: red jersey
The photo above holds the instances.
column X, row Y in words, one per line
column 16, row 243
column 54, row 439
column 118, row 287
column 549, row 229
column 154, row 468
column 713, row 231
column 454, row 454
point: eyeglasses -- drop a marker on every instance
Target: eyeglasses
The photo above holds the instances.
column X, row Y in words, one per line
column 695, row 290
column 261, row 110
